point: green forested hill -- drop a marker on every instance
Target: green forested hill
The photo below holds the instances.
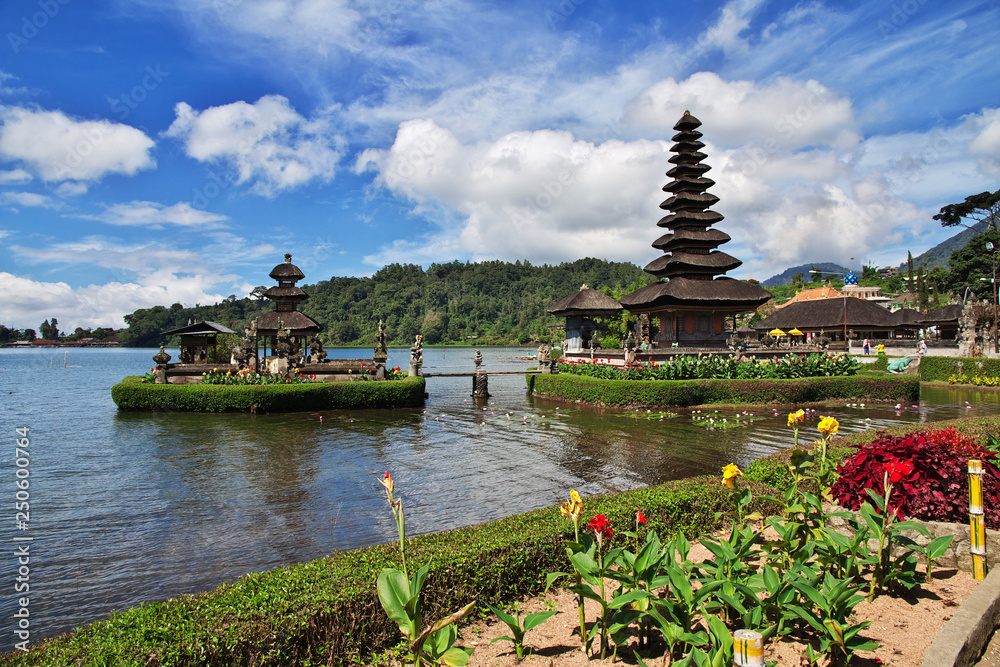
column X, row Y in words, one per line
column 498, row 302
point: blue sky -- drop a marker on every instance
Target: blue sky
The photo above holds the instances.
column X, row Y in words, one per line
column 154, row 152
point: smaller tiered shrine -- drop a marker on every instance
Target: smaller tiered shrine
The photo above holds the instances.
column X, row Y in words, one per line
column 286, row 329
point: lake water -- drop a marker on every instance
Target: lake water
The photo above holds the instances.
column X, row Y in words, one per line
column 128, row 508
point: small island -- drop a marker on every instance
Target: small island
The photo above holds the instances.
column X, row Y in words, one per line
column 295, row 376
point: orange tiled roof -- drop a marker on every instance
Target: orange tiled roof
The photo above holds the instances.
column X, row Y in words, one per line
column 824, row 292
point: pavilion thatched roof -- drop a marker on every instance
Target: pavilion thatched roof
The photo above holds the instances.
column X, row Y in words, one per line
column 944, row 315
column 908, row 317
column 585, row 302
column 205, row 328
column 828, row 314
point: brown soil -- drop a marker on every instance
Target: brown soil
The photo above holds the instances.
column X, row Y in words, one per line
column 903, row 626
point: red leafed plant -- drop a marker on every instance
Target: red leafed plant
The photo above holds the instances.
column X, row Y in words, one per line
column 929, row 474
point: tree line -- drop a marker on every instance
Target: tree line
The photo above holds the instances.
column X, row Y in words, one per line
column 488, row 303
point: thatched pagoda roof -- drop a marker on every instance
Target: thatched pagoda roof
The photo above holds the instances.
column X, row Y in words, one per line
column 828, row 314
column 691, row 237
column 296, row 322
column 286, row 294
column 691, row 262
column 287, row 270
column 585, row 302
column 718, row 293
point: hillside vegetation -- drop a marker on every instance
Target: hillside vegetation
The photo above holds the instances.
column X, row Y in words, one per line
column 495, row 302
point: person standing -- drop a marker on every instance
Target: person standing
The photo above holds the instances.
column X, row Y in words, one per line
column 866, row 347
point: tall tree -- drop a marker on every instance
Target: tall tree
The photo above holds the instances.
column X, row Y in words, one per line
column 909, row 271
column 923, row 295
column 972, row 266
column 983, row 207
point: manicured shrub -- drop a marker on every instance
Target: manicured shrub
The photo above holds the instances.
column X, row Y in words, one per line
column 634, row 393
column 134, row 395
column 940, row 369
column 928, row 471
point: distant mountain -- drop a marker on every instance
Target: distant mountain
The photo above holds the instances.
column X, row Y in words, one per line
column 785, row 276
column 939, row 254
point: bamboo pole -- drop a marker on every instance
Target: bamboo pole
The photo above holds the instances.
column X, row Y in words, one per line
column 977, row 546
column 748, row 649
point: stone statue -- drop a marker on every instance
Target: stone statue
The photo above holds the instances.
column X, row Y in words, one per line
column 161, row 359
column 317, row 354
column 282, row 341
column 478, row 359
column 381, row 351
column 417, row 356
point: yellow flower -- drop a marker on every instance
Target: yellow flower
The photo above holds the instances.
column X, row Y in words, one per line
column 729, row 473
column 796, row 417
column 573, row 507
column 828, row 426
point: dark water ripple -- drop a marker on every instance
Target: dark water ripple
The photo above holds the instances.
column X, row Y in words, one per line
column 128, row 508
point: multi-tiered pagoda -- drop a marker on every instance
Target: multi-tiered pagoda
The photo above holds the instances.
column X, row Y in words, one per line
column 694, row 301
column 286, row 319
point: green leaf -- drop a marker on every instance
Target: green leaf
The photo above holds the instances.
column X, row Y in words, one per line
column 938, row 546
column 536, row 619
column 394, row 594
column 551, row 577
column 628, row 598
column 456, row 657
column 507, row 619
column 873, row 520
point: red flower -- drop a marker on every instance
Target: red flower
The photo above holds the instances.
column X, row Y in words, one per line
column 601, row 527
column 639, row 517
column 898, row 470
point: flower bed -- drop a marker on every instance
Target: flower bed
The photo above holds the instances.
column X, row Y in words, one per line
column 719, row 367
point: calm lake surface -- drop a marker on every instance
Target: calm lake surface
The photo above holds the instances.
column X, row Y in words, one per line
column 128, row 508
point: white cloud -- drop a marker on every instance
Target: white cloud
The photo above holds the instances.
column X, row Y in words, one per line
column 267, row 143
column 144, row 274
column 986, row 144
column 541, row 194
column 28, row 200
column 154, row 215
column 786, row 113
column 58, row 148
column 93, row 305
column 15, row 176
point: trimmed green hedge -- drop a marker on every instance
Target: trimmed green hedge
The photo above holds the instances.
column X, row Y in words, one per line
column 135, row 395
column 939, row 369
column 683, row 393
column 327, row 612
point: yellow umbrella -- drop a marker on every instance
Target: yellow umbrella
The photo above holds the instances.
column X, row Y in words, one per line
column 795, row 332
column 776, row 332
